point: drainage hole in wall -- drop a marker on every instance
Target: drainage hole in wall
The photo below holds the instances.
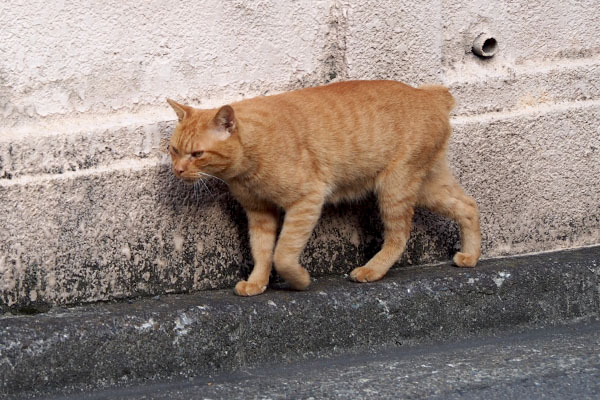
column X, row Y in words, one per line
column 489, row 46
column 485, row 45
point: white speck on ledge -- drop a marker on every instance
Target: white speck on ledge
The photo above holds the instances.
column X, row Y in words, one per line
column 502, row 277
column 146, row 326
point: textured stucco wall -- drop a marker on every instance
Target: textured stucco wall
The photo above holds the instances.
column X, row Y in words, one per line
column 71, row 57
column 90, row 210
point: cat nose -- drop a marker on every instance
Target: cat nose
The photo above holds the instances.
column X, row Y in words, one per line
column 179, row 170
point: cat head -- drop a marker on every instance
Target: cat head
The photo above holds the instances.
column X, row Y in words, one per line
column 205, row 143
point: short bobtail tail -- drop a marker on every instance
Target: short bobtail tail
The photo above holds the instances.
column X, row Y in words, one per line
column 442, row 93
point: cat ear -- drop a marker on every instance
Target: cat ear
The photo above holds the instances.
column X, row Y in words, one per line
column 181, row 110
column 225, row 121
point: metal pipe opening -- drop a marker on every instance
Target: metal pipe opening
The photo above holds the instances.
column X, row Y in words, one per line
column 485, row 45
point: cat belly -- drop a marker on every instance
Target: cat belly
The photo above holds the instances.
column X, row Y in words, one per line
column 355, row 191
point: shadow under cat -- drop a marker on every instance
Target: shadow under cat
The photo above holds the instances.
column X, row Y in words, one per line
column 347, row 236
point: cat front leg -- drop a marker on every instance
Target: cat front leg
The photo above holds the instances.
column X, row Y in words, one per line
column 300, row 220
column 262, row 227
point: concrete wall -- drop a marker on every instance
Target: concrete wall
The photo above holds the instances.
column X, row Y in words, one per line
column 90, row 210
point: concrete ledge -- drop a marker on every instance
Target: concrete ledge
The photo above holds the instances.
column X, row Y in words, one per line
column 200, row 334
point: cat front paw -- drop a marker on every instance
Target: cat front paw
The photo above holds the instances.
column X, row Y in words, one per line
column 245, row 288
column 365, row 274
column 465, row 260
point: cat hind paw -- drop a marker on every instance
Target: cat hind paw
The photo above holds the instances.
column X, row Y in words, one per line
column 297, row 277
column 300, row 280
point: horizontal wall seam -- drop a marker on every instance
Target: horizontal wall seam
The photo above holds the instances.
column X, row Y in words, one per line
column 519, row 71
column 152, row 115
column 121, row 165
column 135, row 164
column 524, row 112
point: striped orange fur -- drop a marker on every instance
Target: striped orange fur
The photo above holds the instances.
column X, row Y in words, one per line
column 298, row 150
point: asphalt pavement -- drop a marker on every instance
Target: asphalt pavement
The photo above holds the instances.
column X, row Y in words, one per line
column 552, row 363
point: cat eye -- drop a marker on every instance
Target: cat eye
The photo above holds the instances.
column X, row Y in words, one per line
column 197, row 154
column 172, row 148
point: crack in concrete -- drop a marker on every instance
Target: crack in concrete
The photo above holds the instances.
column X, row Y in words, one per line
column 335, row 63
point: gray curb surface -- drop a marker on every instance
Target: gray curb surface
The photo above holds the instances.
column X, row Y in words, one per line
column 209, row 332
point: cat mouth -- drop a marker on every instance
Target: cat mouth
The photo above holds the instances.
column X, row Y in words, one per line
column 188, row 179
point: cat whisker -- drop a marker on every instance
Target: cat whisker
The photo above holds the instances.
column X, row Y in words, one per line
column 196, row 196
column 211, row 176
column 205, row 186
column 197, row 187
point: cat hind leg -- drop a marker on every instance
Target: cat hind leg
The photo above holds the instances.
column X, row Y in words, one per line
column 441, row 194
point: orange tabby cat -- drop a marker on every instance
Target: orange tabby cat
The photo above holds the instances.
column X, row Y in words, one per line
column 299, row 150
